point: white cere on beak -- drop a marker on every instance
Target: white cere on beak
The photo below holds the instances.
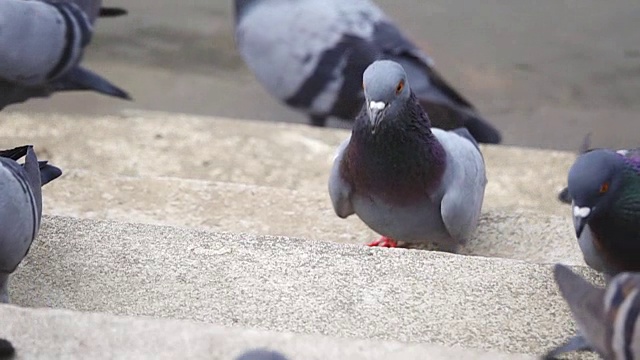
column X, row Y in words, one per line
column 377, row 105
column 581, row 212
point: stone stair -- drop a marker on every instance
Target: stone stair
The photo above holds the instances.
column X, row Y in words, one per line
column 225, row 226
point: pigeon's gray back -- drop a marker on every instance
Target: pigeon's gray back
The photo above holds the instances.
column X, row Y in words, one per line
column 463, row 184
column 19, row 214
column 283, row 41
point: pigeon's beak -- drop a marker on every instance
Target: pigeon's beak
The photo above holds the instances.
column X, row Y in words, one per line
column 376, row 111
column 581, row 216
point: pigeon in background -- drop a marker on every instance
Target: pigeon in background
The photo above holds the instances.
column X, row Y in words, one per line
column 604, row 186
column 261, row 354
column 407, row 181
column 607, row 319
column 47, row 39
column 311, row 54
column 20, row 207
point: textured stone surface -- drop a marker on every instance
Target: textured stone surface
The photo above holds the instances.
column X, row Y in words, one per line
column 293, row 285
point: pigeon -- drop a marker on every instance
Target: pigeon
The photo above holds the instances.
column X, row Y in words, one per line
column 310, row 54
column 20, row 207
column 604, row 186
column 51, row 36
column 7, row 351
column 407, row 181
column 261, row 354
column 607, row 319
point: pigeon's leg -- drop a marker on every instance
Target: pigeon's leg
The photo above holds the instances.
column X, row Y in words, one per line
column 384, row 242
column 316, row 120
column 4, row 288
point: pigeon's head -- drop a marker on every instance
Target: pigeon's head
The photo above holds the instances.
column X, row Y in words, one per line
column 386, row 90
column 593, row 181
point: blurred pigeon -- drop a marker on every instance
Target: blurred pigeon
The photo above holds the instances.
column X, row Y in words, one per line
column 406, row 180
column 311, row 54
column 48, row 39
column 604, row 186
column 20, row 207
column 7, row 351
column 261, row 354
column 607, row 319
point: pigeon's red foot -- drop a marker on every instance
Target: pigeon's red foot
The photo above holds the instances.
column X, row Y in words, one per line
column 384, row 242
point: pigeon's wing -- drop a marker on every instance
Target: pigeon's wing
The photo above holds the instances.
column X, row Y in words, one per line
column 463, row 184
column 301, row 51
column 80, row 78
column 340, row 190
column 16, row 153
column 112, row 11
column 90, row 7
column 586, row 303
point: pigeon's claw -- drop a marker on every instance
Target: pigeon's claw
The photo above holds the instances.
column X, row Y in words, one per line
column 384, row 242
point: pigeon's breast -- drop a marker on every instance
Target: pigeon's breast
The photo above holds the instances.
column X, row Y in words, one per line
column 18, row 224
column 417, row 223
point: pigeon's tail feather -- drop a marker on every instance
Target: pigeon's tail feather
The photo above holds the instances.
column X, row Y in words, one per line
column 82, row 79
column 482, row 130
column 564, row 197
column 112, row 12
column 6, row 349
column 48, row 172
column 15, row 153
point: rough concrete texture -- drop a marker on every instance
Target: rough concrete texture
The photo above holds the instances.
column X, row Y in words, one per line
column 293, row 285
column 278, row 155
column 63, row 334
column 262, row 210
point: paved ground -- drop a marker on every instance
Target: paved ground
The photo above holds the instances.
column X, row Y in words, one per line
column 546, row 72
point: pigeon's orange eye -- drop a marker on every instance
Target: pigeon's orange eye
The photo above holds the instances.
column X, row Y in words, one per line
column 604, row 188
column 400, row 87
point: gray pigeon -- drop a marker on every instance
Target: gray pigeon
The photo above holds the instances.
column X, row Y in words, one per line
column 48, row 39
column 607, row 319
column 261, row 354
column 407, row 181
column 20, row 207
column 604, row 186
column 310, row 54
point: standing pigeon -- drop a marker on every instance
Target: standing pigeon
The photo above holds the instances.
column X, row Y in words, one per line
column 47, row 40
column 607, row 319
column 404, row 179
column 604, row 186
column 20, row 207
column 311, row 54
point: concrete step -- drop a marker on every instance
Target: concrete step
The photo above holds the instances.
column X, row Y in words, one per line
column 63, row 334
column 292, row 285
column 262, row 210
column 281, row 155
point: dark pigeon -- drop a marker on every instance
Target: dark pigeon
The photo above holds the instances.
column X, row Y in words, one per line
column 311, row 54
column 407, row 181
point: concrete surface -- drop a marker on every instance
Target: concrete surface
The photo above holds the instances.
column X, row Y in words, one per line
column 260, row 210
column 578, row 59
column 293, row 285
column 63, row 334
column 246, row 152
